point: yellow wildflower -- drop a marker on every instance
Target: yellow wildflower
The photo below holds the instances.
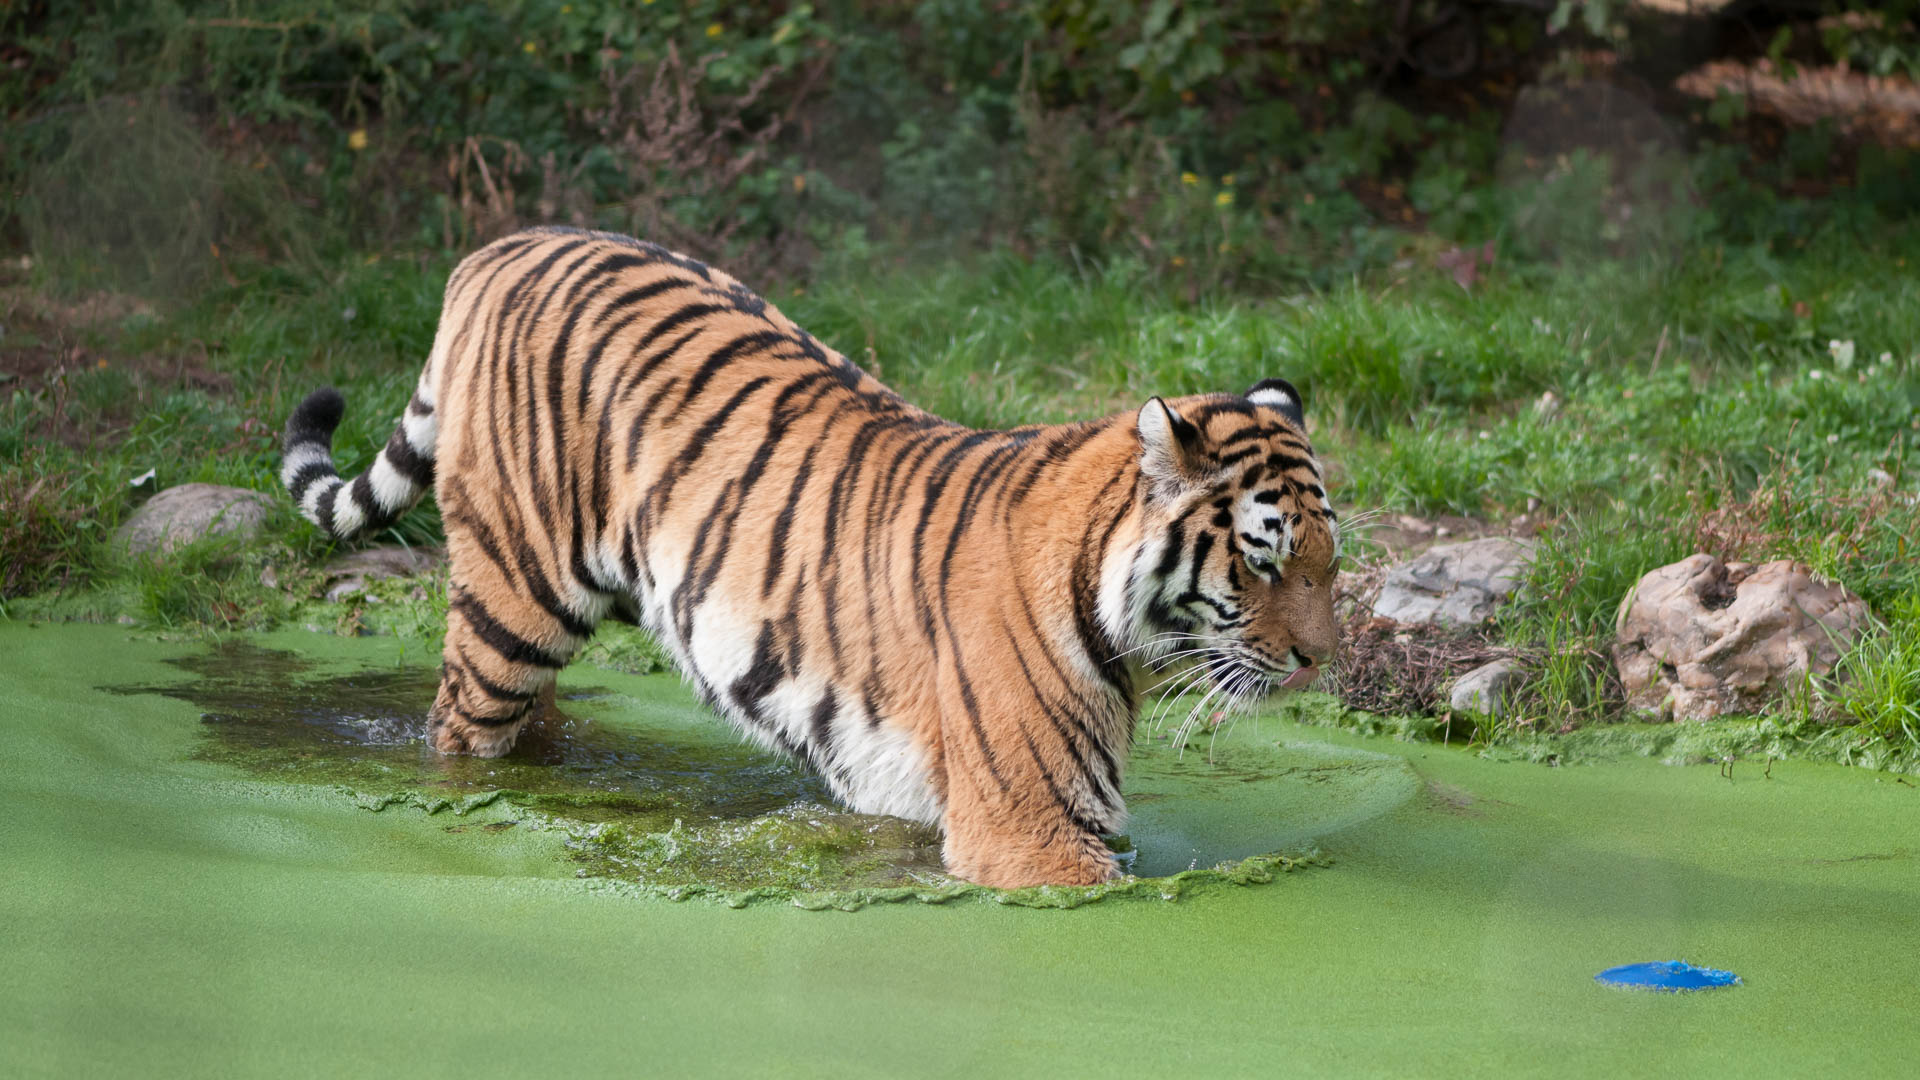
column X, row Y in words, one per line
column 529, row 47
column 715, row 29
column 1179, row 260
column 1227, row 180
column 357, row 140
column 1189, row 179
column 1225, row 198
column 1225, row 247
column 566, row 9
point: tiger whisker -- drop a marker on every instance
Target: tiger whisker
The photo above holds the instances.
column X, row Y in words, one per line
column 1180, row 671
column 1186, row 681
column 1171, row 657
column 1160, row 639
column 1239, row 698
column 1185, row 731
column 1166, row 700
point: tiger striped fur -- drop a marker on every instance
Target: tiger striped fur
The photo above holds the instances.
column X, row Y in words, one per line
column 945, row 623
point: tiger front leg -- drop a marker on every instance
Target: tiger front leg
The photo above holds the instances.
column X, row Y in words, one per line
column 1014, row 838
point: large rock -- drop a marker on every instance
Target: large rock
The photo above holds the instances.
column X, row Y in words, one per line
column 1702, row 638
column 1455, row 584
column 1485, row 689
column 191, row 512
column 350, row 573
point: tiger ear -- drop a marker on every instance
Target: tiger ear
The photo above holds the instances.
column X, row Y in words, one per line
column 1173, row 453
column 1279, row 394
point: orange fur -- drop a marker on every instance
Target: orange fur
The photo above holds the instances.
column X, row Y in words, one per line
column 937, row 619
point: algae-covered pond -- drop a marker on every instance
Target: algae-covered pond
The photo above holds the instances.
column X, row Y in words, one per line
column 236, row 859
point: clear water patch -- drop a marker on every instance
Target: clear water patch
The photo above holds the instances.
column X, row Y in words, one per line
column 655, row 795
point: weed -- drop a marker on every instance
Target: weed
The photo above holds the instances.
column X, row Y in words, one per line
column 1878, row 679
column 42, row 523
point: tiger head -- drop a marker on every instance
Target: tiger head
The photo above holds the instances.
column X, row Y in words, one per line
column 1235, row 565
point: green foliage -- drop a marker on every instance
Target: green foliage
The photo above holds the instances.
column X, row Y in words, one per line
column 212, row 583
column 1243, row 145
column 1879, row 678
column 1686, row 414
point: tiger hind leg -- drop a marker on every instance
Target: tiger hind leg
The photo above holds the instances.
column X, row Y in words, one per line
column 502, row 654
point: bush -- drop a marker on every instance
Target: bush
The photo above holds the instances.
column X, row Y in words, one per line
column 1218, row 144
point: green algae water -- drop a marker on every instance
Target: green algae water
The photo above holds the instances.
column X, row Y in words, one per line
column 237, row 860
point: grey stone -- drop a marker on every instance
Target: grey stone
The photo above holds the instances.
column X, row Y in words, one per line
column 1456, row 584
column 191, row 512
column 349, row 574
column 1702, row 638
column 1486, row 688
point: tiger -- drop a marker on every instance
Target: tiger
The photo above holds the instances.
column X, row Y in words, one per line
column 945, row 624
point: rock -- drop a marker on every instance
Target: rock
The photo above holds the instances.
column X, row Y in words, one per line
column 1458, row 584
column 350, row 573
column 1702, row 638
column 1486, row 688
column 190, row 512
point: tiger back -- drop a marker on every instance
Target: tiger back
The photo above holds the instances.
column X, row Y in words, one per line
column 944, row 623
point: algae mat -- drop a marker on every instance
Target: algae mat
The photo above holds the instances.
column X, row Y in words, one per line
column 182, row 894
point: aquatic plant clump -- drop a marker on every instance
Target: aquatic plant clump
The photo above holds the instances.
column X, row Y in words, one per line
column 651, row 798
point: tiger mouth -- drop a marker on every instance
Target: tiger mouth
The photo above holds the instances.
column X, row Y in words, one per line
column 1300, row 678
column 1257, row 676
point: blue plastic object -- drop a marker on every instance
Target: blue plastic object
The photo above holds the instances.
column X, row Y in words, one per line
column 1670, row 976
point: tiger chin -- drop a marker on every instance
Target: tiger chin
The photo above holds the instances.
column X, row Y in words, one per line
column 946, row 624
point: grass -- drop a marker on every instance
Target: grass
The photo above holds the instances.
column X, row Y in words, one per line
column 1751, row 401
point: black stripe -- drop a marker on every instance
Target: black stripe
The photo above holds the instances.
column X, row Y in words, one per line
column 1255, row 432
column 720, row 358
column 510, row 646
column 372, row 514
column 1290, row 461
column 1202, row 545
column 408, row 462
column 1066, row 725
column 762, row 676
column 538, row 589
column 325, row 510
column 307, row 475
column 487, row 686
column 1176, row 545
column 626, row 299
column 661, row 493
column 821, row 723
column 1085, row 580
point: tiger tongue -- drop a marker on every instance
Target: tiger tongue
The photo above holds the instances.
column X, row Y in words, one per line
column 1300, row 678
